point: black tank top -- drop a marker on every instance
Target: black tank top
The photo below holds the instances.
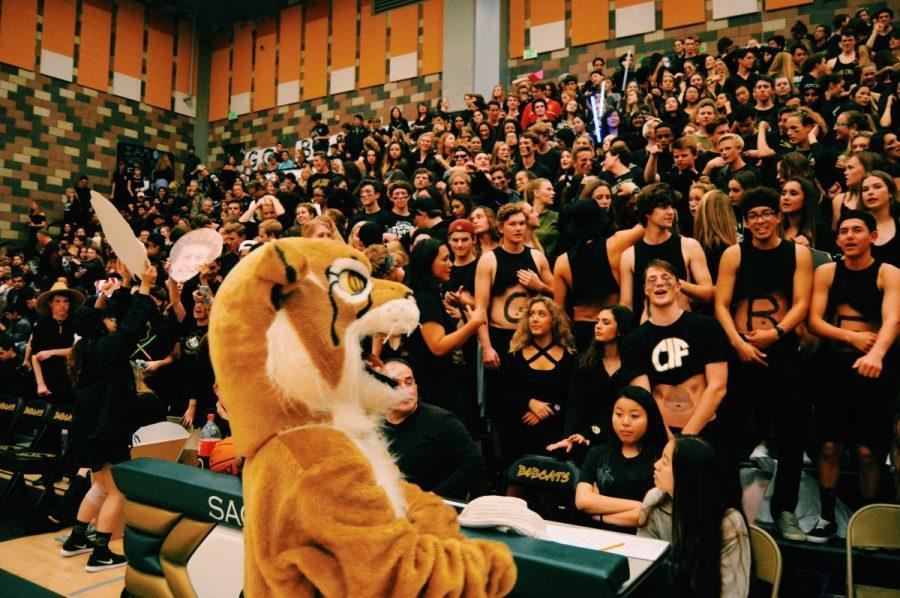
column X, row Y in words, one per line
column 766, row 271
column 889, row 253
column 644, row 253
column 858, row 289
column 592, row 276
column 848, row 70
column 507, row 266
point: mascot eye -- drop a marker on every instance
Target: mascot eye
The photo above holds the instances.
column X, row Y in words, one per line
column 351, row 282
column 349, row 279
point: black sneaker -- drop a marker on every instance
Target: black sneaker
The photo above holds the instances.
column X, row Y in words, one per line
column 821, row 532
column 73, row 546
column 102, row 562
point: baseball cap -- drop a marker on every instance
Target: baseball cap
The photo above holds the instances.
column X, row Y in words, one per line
column 461, row 225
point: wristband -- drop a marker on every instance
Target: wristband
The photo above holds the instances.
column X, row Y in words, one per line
column 780, row 331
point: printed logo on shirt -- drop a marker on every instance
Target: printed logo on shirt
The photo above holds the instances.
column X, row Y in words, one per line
column 669, row 354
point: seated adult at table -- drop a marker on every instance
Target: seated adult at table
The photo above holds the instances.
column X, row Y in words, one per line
column 616, row 476
column 432, row 446
column 710, row 554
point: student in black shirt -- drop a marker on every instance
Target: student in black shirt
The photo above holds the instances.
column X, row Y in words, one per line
column 681, row 356
column 432, row 447
column 319, row 134
column 431, row 347
column 369, row 194
column 762, row 295
column 615, row 476
column 855, row 307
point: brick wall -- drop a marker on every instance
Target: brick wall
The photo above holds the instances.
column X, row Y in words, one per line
column 289, row 123
column 577, row 60
column 52, row 131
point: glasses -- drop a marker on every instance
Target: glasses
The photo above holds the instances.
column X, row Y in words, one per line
column 760, row 217
column 460, row 156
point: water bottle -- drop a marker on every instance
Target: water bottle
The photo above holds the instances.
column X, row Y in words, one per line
column 210, row 435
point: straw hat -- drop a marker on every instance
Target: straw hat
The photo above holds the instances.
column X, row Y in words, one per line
column 76, row 298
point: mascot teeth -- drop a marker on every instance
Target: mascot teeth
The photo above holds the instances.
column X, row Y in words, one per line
column 394, row 341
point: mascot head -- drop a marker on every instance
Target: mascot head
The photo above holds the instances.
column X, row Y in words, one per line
column 286, row 338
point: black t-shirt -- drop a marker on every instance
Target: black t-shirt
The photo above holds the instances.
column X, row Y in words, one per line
column 463, row 276
column 550, row 160
column 381, row 217
column 616, row 475
column 437, row 376
column 320, row 130
column 672, row 354
column 398, row 225
column 434, row 450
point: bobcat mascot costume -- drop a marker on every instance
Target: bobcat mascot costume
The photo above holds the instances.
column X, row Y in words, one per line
column 327, row 512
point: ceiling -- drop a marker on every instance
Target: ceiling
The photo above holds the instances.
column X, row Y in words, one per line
column 213, row 16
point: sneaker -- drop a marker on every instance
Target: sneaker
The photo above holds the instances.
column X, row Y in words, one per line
column 789, row 528
column 108, row 560
column 822, row 531
column 73, row 546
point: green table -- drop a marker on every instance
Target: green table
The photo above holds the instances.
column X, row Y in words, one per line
column 545, row 568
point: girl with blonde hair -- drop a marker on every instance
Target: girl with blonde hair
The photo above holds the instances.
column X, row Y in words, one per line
column 536, row 376
column 715, row 228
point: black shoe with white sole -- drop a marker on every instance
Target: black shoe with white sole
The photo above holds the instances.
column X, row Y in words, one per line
column 104, row 561
column 822, row 532
column 73, row 546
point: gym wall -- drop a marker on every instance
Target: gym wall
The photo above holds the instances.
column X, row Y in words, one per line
column 75, row 79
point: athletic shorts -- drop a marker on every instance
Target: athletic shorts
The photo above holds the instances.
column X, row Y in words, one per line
column 852, row 409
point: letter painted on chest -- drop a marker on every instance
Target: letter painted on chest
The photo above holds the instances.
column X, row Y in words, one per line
column 669, row 353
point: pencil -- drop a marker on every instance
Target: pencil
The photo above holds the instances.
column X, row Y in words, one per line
column 611, row 546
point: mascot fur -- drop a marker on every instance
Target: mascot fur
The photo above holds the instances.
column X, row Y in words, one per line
column 327, row 512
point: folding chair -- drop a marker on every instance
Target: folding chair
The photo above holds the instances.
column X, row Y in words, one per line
column 30, row 424
column 549, row 484
column 10, row 410
column 29, row 461
column 766, row 558
column 873, row 526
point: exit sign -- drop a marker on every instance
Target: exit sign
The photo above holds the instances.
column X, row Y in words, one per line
column 530, row 53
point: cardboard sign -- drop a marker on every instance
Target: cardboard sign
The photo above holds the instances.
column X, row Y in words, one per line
column 119, row 234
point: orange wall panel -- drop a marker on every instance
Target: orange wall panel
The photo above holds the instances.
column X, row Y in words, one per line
column 372, row 46
column 404, row 30
column 128, row 54
column 242, row 58
column 432, row 36
column 343, row 33
column 218, row 80
column 776, row 4
column 183, row 59
column 58, row 29
column 160, row 60
column 590, row 21
column 516, row 28
column 290, row 27
column 547, row 11
column 315, row 53
column 264, row 65
column 680, row 13
column 18, row 32
column 93, row 57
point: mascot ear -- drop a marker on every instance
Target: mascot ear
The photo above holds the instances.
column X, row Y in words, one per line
column 283, row 263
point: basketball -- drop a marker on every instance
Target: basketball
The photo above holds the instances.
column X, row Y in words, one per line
column 224, row 458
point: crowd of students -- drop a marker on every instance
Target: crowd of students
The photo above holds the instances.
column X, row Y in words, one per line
column 719, row 249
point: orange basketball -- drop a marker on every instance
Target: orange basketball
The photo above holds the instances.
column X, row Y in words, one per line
column 224, row 458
